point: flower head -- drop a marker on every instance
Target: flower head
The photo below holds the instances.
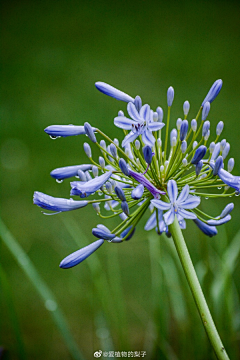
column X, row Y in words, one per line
column 165, row 170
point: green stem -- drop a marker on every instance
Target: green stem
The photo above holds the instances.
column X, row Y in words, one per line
column 197, row 291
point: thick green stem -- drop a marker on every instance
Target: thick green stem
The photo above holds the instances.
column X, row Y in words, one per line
column 197, row 291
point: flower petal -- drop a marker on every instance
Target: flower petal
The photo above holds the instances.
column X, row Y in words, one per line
column 64, row 130
column 148, row 138
column 183, row 195
column 191, row 202
column 186, row 214
column 56, row 204
column 69, row 171
column 172, row 191
column 124, row 123
column 219, row 222
column 89, row 187
column 155, row 126
column 131, row 108
column 151, row 223
column 145, row 112
column 161, row 205
column 169, row 216
column 129, row 138
column 206, row 229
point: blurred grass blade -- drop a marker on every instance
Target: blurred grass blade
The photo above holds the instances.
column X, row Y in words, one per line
column 49, row 300
column 6, row 289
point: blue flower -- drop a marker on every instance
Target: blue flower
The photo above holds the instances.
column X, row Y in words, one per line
column 213, row 92
column 177, row 205
column 141, row 123
column 64, row 130
column 78, row 256
column 84, row 189
column 69, row 171
column 113, row 92
column 205, row 228
column 56, row 204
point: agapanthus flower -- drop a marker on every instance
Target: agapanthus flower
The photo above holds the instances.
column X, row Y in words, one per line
column 169, row 171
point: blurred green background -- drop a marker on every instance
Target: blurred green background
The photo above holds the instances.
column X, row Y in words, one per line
column 131, row 296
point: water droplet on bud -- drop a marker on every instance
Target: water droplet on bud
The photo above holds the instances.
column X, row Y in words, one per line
column 59, row 181
column 54, row 137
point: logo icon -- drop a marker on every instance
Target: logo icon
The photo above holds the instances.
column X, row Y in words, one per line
column 98, row 354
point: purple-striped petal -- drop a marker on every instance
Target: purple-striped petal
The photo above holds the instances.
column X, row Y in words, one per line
column 169, row 216
column 148, row 138
column 184, row 194
column 191, row 202
column 155, row 126
column 132, row 111
column 78, row 256
column 124, row 123
column 145, row 112
column 151, row 223
column 186, row 214
column 172, row 191
column 56, row 204
column 129, row 138
column 91, row 186
column 161, row 205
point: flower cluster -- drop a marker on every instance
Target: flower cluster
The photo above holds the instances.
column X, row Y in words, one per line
column 167, row 177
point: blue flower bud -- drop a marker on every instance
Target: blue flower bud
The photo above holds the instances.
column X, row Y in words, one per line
column 179, row 123
column 205, row 110
column 205, row 128
column 230, row 164
column 56, row 204
column 223, row 144
column 206, row 137
column 218, row 165
column 195, row 144
column 184, row 162
column 87, row 150
column 194, row 125
column 160, row 113
column 183, row 130
column 170, row 96
column 123, row 166
column 78, row 256
column 173, row 134
column 116, row 142
column 198, row 167
column 101, row 162
column 184, row 146
column 147, row 153
column 227, row 210
column 120, row 113
column 212, row 147
column 96, row 207
column 113, row 150
column 138, row 103
column 173, row 141
column 216, row 151
column 186, row 107
column 120, row 194
column 213, row 92
column 137, row 144
column 219, row 128
column 88, row 176
column 128, row 231
column 109, row 187
column 137, row 193
column 199, row 154
column 206, row 229
column 224, row 220
column 125, row 208
column 82, row 176
column 68, row 171
column 226, row 150
column 89, row 131
column 55, row 131
column 95, row 170
column 102, row 234
column 155, row 116
column 113, row 92
column 103, row 144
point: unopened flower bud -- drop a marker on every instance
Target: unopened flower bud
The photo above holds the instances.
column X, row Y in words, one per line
column 205, row 110
column 160, row 113
column 123, row 166
column 230, row 164
column 147, row 153
column 198, row 167
column 184, row 146
column 125, row 208
column 219, row 128
column 81, row 175
column 186, row 107
column 194, row 125
column 179, row 123
column 195, row 143
column 183, row 130
column 138, row 102
column 113, row 150
column 155, row 116
column 212, row 147
column 170, row 96
column 95, row 170
column 205, row 128
column 89, row 131
column 218, row 165
column 101, row 162
column 87, row 150
column 137, row 144
column 184, row 162
column 226, row 150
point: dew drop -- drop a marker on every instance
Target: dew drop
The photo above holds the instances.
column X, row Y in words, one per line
column 206, row 198
column 237, row 193
column 59, row 181
column 54, row 137
column 219, row 187
column 230, row 196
